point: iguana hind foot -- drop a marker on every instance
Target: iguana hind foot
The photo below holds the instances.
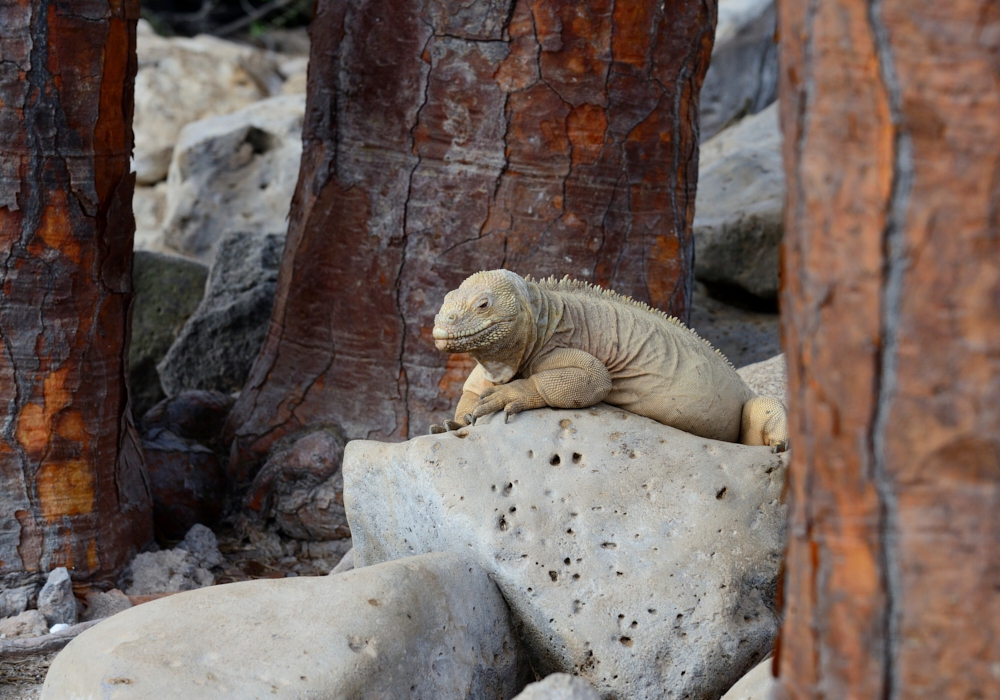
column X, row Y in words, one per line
column 765, row 422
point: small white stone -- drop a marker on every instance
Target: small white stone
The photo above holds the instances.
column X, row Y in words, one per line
column 58, row 627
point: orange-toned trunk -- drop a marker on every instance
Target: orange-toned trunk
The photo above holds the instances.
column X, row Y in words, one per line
column 891, row 319
column 72, row 482
column 446, row 137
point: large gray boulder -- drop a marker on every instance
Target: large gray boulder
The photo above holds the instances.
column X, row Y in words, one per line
column 56, row 601
column 181, row 80
column 767, row 378
column 427, row 627
column 234, row 173
column 168, row 289
column 742, row 78
column 738, row 210
column 218, row 344
column 743, row 335
column 640, row 557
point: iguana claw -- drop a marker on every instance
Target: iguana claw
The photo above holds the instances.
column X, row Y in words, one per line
column 779, row 447
column 506, row 416
column 470, row 419
column 437, row 429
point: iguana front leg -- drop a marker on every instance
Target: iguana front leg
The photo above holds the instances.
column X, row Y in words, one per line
column 475, row 384
column 563, row 378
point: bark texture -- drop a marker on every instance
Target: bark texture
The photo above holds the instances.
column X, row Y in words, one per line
column 73, row 489
column 891, row 320
column 443, row 137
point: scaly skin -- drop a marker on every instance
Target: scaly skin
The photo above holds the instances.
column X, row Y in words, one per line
column 569, row 344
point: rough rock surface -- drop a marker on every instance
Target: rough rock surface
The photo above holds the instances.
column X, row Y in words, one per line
column 203, row 545
column 102, row 604
column 30, row 623
column 181, row 80
column 640, row 557
column 56, row 601
column 219, row 342
column 757, row 684
column 744, row 336
column 234, row 173
column 559, row 686
column 168, row 289
column 196, row 415
column 166, row 571
column 767, row 378
column 187, row 482
column 345, row 564
column 301, row 488
column 17, row 589
column 149, row 204
column 428, row 627
column 741, row 195
column 743, row 76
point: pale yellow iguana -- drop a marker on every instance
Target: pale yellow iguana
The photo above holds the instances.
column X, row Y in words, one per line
column 569, row 344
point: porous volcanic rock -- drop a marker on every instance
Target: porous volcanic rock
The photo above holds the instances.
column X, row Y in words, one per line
column 433, row 626
column 56, row 601
column 640, row 557
column 219, row 342
column 742, row 78
column 738, row 212
column 767, row 378
column 234, row 173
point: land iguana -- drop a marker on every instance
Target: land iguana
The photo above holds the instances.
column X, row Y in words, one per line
column 570, row 344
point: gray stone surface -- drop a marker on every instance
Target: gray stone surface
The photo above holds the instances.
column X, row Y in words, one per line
column 56, row 601
column 744, row 336
column 559, row 686
column 234, row 173
column 166, row 571
column 300, row 488
column 203, row 545
column 426, row 627
column 738, row 210
column 345, row 564
column 149, row 204
column 168, row 289
column 18, row 588
column 220, row 341
column 102, row 604
column 640, row 557
column 743, row 75
column 757, row 684
column 181, row 80
column 767, row 378
column 30, row 623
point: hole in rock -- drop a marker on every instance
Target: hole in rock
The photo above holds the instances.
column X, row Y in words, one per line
column 626, row 641
column 513, row 509
column 553, row 575
column 721, row 493
column 260, row 141
column 565, row 423
column 531, row 454
column 462, row 433
column 634, row 624
column 576, row 577
column 503, row 524
column 554, row 461
column 652, row 611
column 609, row 545
column 577, row 457
column 507, row 489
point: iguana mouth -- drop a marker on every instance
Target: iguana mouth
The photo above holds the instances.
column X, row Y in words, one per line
column 442, row 334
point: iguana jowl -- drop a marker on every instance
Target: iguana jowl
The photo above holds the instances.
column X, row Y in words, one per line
column 569, row 344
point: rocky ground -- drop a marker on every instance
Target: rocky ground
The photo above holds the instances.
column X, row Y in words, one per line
column 217, row 148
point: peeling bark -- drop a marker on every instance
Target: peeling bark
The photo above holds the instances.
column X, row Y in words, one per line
column 446, row 137
column 891, row 322
column 73, row 489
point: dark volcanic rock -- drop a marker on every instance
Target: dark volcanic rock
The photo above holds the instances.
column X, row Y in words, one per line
column 220, row 341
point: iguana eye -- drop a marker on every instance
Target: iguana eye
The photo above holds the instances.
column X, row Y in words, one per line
column 483, row 305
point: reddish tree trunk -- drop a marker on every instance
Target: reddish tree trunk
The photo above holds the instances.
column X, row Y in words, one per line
column 891, row 317
column 445, row 137
column 72, row 483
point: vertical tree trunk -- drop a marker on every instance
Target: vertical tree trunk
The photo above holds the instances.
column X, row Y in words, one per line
column 891, row 318
column 72, row 481
column 446, row 137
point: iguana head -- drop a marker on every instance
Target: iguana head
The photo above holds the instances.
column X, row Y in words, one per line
column 484, row 312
